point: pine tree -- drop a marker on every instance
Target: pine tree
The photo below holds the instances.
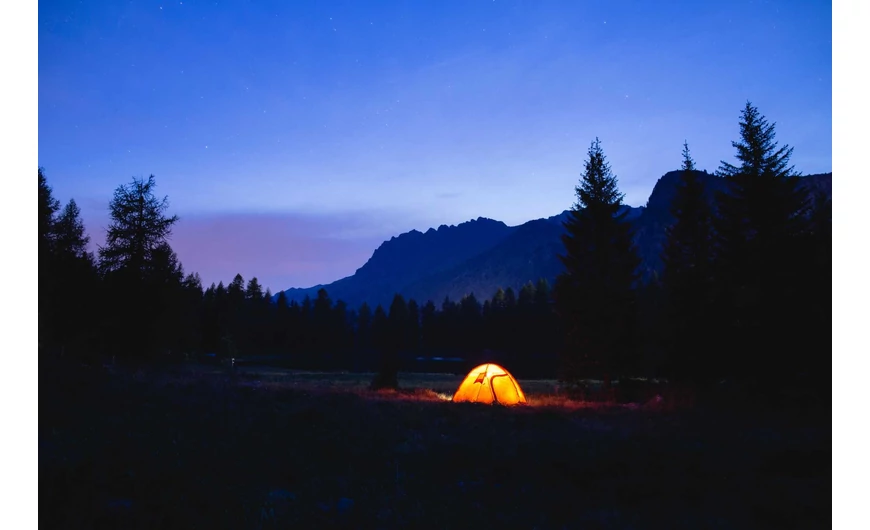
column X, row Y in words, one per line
column 164, row 283
column 527, row 297
column 542, row 295
column 136, row 260
column 73, row 285
column 687, row 277
column 595, row 292
column 138, row 227
column 510, row 299
column 429, row 327
column 254, row 291
column 413, row 332
column 364, row 328
column 48, row 207
column 255, row 314
column 469, row 323
column 399, row 318
column 498, row 301
column 759, row 225
column 387, row 328
column 192, row 311
column 818, row 267
column 69, row 237
column 380, row 329
column 236, row 289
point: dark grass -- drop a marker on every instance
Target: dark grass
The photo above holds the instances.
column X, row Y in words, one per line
column 210, row 450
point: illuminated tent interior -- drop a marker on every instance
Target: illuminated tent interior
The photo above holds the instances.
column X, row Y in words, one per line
column 489, row 383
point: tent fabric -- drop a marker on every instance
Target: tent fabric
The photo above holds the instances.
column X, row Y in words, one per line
column 490, row 383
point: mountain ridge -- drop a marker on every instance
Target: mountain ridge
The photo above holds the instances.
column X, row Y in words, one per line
column 481, row 255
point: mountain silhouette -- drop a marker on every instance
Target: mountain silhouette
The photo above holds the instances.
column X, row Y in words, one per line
column 482, row 255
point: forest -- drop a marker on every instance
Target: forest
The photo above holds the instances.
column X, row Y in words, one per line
column 743, row 296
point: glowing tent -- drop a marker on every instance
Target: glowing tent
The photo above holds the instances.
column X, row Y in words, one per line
column 490, row 383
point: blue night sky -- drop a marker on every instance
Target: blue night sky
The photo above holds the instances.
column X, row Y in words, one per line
column 293, row 137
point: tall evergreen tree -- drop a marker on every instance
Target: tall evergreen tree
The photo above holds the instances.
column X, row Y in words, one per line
column 388, row 329
column 139, row 226
column 364, row 329
column 428, row 327
column 413, row 331
column 687, row 278
column 134, row 259
column 164, row 283
column 759, row 225
column 510, row 299
column 73, row 285
column 254, row 291
column 69, row 237
column 595, row 292
column 48, row 207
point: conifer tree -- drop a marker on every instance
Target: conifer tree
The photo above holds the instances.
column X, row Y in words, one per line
column 48, row 207
column 413, row 332
column 428, row 327
column 595, row 292
column 137, row 261
column 138, row 227
column 687, row 277
column 761, row 217
column 68, row 234
column 388, row 327
column 364, row 328
column 510, row 299
column 73, row 286
column 254, row 291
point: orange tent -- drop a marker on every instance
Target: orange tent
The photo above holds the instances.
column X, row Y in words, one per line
column 490, row 383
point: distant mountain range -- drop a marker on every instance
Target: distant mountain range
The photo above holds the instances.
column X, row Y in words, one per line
column 482, row 255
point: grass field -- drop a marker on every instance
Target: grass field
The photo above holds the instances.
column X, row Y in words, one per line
column 443, row 384
column 277, row 449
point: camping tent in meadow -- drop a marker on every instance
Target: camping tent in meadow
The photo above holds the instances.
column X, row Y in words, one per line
column 490, row 383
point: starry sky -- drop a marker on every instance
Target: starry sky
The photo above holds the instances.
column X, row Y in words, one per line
column 292, row 138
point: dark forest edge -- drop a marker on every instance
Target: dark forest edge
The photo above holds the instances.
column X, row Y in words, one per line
column 743, row 298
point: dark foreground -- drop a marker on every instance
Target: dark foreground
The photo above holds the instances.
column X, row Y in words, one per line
column 146, row 450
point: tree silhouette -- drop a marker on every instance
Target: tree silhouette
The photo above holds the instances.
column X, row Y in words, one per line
column 387, row 329
column 137, row 261
column 429, row 327
column 48, row 207
column 761, row 218
column 595, row 292
column 71, row 284
column 413, row 327
column 687, row 277
column 138, row 227
column 364, row 328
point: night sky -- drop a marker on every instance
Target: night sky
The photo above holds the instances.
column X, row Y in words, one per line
column 293, row 137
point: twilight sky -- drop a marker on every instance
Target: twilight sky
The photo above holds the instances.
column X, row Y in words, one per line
column 293, row 137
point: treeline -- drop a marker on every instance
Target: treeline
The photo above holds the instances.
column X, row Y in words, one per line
column 242, row 320
column 744, row 295
column 133, row 300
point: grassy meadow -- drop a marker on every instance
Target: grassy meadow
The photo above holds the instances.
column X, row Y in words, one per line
column 203, row 447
